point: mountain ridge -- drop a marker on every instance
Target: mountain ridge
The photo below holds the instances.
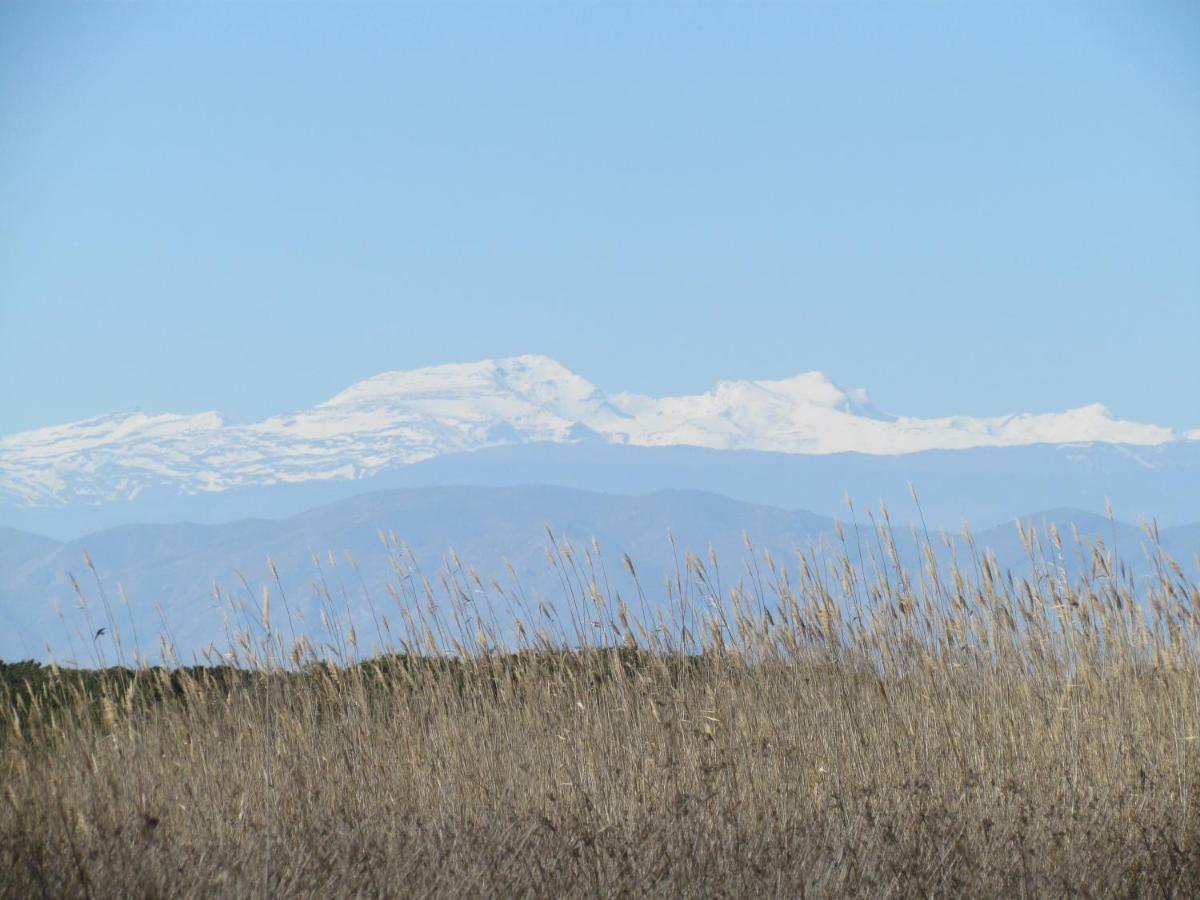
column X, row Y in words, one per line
column 174, row 566
column 404, row 417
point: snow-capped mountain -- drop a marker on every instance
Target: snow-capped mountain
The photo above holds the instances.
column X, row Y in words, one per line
column 403, row 417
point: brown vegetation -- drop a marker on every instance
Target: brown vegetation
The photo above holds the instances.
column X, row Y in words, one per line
column 836, row 731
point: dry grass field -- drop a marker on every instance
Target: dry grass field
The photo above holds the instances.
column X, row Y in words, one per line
column 844, row 729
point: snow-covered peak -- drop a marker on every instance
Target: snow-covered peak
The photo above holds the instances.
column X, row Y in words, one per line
column 532, row 375
column 456, row 407
column 405, row 416
column 808, row 388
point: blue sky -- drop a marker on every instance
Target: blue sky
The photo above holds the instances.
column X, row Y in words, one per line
column 974, row 207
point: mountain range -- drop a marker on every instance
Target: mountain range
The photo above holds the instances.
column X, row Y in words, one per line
column 469, row 465
column 398, row 419
column 167, row 572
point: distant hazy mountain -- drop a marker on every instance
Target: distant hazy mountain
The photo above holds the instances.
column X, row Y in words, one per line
column 984, row 485
column 168, row 571
column 400, row 418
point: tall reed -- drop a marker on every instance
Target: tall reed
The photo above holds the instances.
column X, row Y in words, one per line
column 831, row 726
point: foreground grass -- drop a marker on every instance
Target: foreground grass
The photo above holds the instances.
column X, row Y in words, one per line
column 886, row 736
